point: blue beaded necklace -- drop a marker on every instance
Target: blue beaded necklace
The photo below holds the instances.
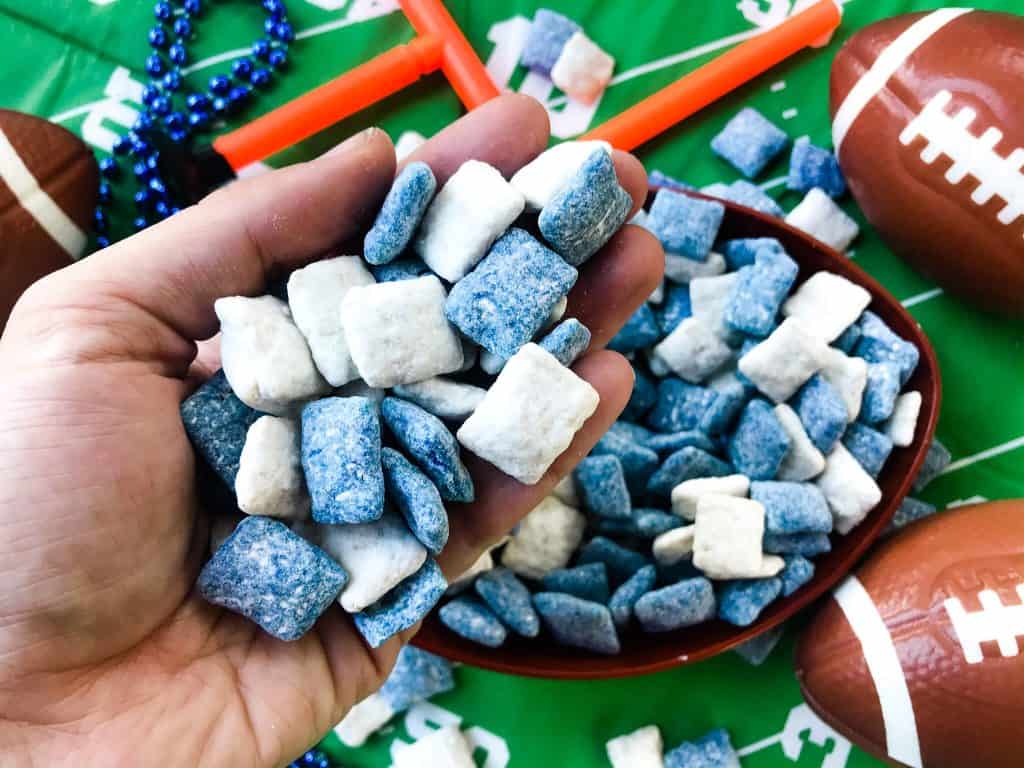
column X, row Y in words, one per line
column 312, row 759
column 172, row 113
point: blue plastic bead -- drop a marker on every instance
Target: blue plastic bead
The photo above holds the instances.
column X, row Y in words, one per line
column 198, row 101
column 161, row 105
column 260, row 78
column 173, row 81
column 163, row 11
column 268, row 25
column 261, row 49
column 143, row 198
column 140, row 223
column 283, row 31
column 155, row 65
column 150, row 94
column 198, row 119
column 175, row 121
column 183, row 28
column 102, row 241
column 278, row 58
column 193, row 7
column 161, row 209
column 99, row 220
column 123, row 145
column 239, row 94
column 143, row 123
column 158, row 37
column 153, row 161
column 242, row 68
column 109, row 168
column 158, row 187
column 142, row 171
column 178, row 54
column 220, row 84
column 220, row 105
column 178, row 136
column 104, row 193
column 274, row 7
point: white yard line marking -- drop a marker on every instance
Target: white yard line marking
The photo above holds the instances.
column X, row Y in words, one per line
column 758, row 746
column 85, row 109
column 920, row 298
column 779, row 86
column 997, row 450
column 778, row 181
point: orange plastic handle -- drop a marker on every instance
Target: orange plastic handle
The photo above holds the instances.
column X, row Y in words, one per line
column 463, row 68
column 324, row 106
column 691, row 93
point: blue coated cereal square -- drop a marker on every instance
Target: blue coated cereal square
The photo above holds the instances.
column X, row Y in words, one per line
column 683, row 604
column 713, row 750
column 638, row 462
column 685, row 225
column 798, row 571
column 822, row 412
column 216, row 423
column 627, row 429
column 578, row 623
column 416, row 676
column 758, row 648
column 759, row 444
column 728, row 404
column 676, row 307
column 749, row 196
column 806, row 544
column 743, row 251
column 880, row 393
column 587, row 582
column 848, row 339
column 686, row 464
column 749, row 141
column 625, row 597
column 401, row 213
column 741, row 602
column 910, row 511
column 869, row 447
column 792, row 507
column 667, row 444
column 639, row 332
column 548, row 35
column 935, row 461
column 341, row 456
column 587, row 211
column 811, row 166
column 429, row 443
column 399, row 269
column 757, row 297
column 651, row 523
column 273, row 577
column 602, row 485
column 468, row 617
column 680, row 406
column 403, row 606
column 620, row 561
column 510, row 600
column 643, row 397
column 879, row 344
column 658, row 179
column 418, row 500
column 569, row 339
column 507, row 298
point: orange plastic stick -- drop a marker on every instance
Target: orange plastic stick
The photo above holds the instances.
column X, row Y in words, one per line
column 345, row 95
column 461, row 66
column 691, row 93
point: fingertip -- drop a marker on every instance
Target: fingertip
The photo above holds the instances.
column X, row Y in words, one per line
column 632, row 177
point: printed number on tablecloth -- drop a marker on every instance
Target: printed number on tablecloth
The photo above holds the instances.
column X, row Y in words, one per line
column 425, row 717
column 803, row 727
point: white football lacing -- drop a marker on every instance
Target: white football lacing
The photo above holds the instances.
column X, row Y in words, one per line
column 972, row 155
column 996, row 622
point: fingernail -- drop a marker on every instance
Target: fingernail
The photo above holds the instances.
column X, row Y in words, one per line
column 354, row 141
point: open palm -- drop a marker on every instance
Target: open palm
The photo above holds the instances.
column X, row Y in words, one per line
column 107, row 657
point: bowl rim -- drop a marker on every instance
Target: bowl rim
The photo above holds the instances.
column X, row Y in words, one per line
column 576, row 664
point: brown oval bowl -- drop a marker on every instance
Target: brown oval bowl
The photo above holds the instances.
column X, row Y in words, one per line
column 643, row 653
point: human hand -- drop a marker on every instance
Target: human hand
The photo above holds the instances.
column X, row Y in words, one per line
column 107, row 655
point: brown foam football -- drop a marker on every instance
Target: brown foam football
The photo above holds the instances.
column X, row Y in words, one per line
column 48, row 188
column 928, row 125
column 917, row 656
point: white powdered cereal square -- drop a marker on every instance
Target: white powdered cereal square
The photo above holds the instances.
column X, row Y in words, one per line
column 530, row 415
column 565, row 491
column 675, row 545
column 903, row 423
column 377, row 556
column 827, row 304
column 658, row 366
column 545, row 539
column 802, row 461
column 314, row 297
column 848, row 376
column 265, row 357
column 643, row 748
column 850, row 491
column 783, row 362
column 397, row 333
column 270, row 479
column 771, row 565
column 363, row 720
column 443, row 397
column 582, row 70
column 482, row 564
column 543, row 177
column 443, row 748
column 819, row 216
column 709, row 296
column 727, row 537
column 686, row 495
column 473, row 208
column 680, row 269
column 693, row 350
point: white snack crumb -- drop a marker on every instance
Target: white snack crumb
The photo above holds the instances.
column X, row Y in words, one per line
column 363, row 720
column 408, row 143
column 783, row 362
column 727, row 537
column 658, row 366
column 442, row 397
column 849, row 490
column 693, row 350
column 397, row 333
column 545, row 540
column 658, row 294
column 686, row 495
column 680, row 269
column 672, row 546
column 582, row 70
column 265, row 357
column 803, row 460
column 565, row 491
column 819, row 216
column 543, row 177
column 903, row 423
column 482, row 564
column 444, row 748
column 314, row 297
column 471, row 211
column 643, row 748
column 490, row 362
column 530, row 415
column 827, row 304
column 270, row 479
column 848, row 376
column 557, row 312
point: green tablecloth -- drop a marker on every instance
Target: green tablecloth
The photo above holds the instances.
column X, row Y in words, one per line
column 78, row 63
